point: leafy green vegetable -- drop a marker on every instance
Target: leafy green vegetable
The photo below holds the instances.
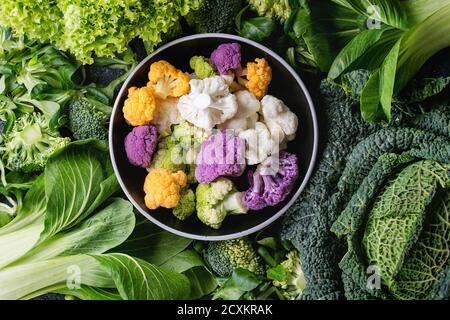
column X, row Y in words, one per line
column 258, row 29
column 386, row 11
column 289, row 276
column 241, row 282
column 191, row 264
column 413, row 253
column 64, row 229
column 319, row 29
column 155, row 283
column 101, row 28
column 152, row 244
column 357, row 162
column 133, row 278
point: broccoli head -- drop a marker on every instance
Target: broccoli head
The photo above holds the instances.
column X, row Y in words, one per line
column 216, row 200
column 88, row 119
column 178, row 151
column 30, row 143
column 225, row 256
column 167, row 156
column 214, row 16
column 186, row 206
column 202, row 67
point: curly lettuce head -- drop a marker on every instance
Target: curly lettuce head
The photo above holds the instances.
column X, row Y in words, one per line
column 101, row 28
column 37, row 19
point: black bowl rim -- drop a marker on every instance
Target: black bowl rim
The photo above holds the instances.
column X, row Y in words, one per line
column 294, row 197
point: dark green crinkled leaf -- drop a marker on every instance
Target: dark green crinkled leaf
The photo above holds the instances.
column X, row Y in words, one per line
column 423, row 89
column 396, row 220
column 428, row 257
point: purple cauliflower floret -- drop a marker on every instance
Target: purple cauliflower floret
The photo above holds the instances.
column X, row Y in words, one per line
column 140, row 144
column 227, row 57
column 272, row 181
column 222, row 154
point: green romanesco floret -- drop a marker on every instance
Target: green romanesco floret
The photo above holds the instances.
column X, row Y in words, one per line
column 225, row 256
column 186, row 206
column 274, row 9
column 189, row 135
column 30, row 143
column 216, row 200
column 214, row 16
column 202, row 67
column 88, row 119
column 178, row 151
column 293, row 282
column 167, row 156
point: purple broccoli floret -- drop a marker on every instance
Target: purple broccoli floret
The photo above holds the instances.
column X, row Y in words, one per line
column 222, row 154
column 272, row 181
column 140, row 144
column 227, row 57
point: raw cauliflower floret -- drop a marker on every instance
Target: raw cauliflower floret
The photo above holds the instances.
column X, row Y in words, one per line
column 163, row 188
column 259, row 75
column 139, row 107
column 167, row 81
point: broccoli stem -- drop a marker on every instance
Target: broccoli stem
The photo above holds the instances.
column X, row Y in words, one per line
column 31, row 134
column 233, row 203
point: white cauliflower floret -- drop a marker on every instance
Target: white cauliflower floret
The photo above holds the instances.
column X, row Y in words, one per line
column 209, row 103
column 280, row 120
column 247, row 112
column 166, row 114
column 259, row 143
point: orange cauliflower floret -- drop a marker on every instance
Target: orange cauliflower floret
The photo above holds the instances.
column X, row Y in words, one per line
column 167, row 81
column 162, row 188
column 259, row 75
column 139, row 108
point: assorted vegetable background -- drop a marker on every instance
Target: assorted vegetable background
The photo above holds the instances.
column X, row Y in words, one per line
column 373, row 222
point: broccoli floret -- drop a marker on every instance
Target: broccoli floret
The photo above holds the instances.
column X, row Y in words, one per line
column 167, row 156
column 214, row 16
column 88, row 119
column 291, row 279
column 186, row 206
column 30, row 143
column 202, row 67
column 216, row 200
column 177, row 152
column 225, row 256
column 188, row 135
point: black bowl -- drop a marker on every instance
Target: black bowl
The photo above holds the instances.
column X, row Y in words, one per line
column 286, row 85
